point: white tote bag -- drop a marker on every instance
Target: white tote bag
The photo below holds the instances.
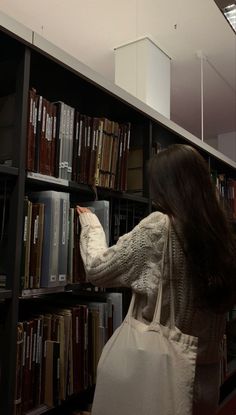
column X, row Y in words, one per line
column 147, row 369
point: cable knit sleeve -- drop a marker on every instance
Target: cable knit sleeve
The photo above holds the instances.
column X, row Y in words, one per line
column 135, row 259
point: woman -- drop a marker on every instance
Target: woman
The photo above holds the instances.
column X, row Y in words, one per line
column 203, row 252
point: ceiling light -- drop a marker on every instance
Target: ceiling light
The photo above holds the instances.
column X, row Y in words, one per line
column 230, row 14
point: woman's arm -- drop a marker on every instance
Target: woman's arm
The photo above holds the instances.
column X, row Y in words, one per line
column 130, row 262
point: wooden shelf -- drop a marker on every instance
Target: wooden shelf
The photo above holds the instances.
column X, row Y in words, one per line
column 8, row 171
column 101, row 191
column 39, row 292
column 38, row 411
column 5, row 294
column 83, row 289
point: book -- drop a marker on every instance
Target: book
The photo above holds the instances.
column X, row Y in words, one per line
column 116, row 300
column 19, row 369
column 26, row 244
column 36, row 243
column 101, row 210
column 55, row 241
column 65, row 338
column 135, row 170
column 27, row 365
column 70, row 266
column 31, row 130
column 52, row 379
column 63, row 238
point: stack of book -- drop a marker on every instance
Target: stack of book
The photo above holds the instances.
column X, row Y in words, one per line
column 51, row 250
column 58, row 351
column 64, row 143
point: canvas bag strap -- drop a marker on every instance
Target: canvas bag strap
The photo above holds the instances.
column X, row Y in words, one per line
column 157, row 312
column 167, row 250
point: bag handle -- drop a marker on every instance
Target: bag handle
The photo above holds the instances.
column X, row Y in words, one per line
column 157, row 311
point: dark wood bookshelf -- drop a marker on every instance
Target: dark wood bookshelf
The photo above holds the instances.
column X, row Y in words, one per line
column 8, row 171
column 83, row 289
column 136, row 197
column 5, row 294
column 39, row 292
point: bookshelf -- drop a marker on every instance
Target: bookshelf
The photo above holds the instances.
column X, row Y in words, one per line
column 29, row 61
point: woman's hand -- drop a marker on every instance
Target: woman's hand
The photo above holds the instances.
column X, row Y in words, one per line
column 81, row 210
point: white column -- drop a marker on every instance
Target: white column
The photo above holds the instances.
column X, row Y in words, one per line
column 143, row 69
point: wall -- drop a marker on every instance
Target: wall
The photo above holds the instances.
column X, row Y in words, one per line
column 87, row 29
column 227, row 144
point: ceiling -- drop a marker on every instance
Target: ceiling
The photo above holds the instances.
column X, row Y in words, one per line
column 203, row 30
column 182, row 28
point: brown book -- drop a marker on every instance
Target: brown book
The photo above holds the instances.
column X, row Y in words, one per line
column 38, row 131
column 88, row 149
column 27, row 365
column 79, row 340
column 42, row 136
column 31, row 130
column 54, row 143
column 124, row 156
column 26, row 244
column 46, row 335
column 38, row 361
column 36, row 244
column 58, row 335
column 61, row 338
column 115, row 153
column 82, row 338
column 99, row 152
column 32, row 389
column 65, row 335
column 80, row 149
column 51, row 387
column 119, row 158
column 95, row 343
column 83, row 149
column 104, row 174
column 94, row 146
column 19, row 369
column 75, row 348
column 135, row 170
column 46, row 137
column 59, row 110
column 75, row 145
column 109, row 152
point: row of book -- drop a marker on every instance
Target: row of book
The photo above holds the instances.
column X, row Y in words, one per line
column 136, row 167
column 58, row 351
column 226, row 191
column 51, row 252
column 64, row 143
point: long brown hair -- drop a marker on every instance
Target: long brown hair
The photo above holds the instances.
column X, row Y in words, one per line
column 181, row 187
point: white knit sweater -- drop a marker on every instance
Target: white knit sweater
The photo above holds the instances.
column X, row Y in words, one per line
column 135, row 261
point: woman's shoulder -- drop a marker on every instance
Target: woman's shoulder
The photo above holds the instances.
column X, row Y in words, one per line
column 156, row 220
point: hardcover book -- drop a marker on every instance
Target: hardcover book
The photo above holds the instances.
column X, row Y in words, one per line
column 55, row 241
